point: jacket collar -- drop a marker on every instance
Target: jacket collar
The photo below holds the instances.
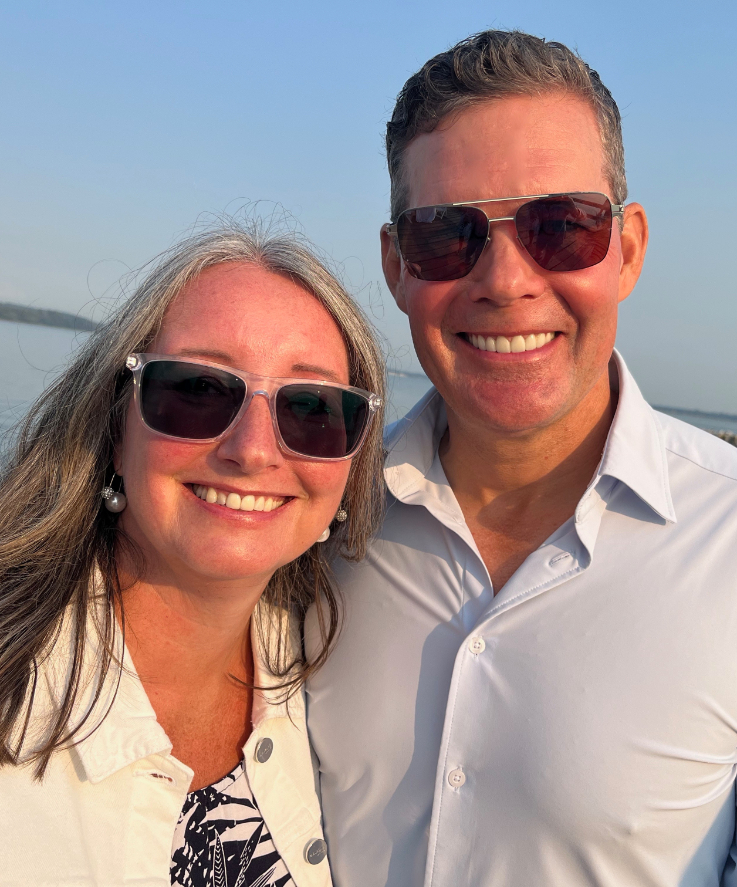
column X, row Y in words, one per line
column 634, row 453
column 122, row 727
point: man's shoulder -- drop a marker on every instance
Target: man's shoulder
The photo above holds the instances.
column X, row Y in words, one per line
column 702, row 449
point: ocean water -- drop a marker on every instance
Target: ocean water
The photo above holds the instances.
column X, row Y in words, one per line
column 31, row 357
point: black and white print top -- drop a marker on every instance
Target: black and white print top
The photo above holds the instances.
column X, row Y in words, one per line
column 221, row 839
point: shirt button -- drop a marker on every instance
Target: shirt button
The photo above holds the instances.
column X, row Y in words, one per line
column 264, row 748
column 477, row 645
column 316, row 851
column 456, row 777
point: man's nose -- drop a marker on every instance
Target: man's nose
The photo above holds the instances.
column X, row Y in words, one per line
column 505, row 272
column 252, row 442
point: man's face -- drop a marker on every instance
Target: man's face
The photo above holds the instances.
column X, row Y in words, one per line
column 505, row 148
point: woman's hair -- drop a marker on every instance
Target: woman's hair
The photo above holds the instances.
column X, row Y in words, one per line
column 58, row 545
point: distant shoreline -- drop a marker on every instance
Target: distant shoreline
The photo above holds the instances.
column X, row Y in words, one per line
column 45, row 317
column 64, row 320
column 704, row 413
column 663, row 409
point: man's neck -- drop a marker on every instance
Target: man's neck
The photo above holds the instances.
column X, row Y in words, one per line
column 517, row 489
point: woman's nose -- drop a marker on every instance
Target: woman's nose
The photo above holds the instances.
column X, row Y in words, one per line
column 252, row 443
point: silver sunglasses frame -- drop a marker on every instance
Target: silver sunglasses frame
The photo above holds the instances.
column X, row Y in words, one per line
column 617, row 210
column 265, row 386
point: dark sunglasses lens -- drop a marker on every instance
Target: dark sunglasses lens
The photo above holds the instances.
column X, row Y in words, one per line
column 441, row 242
column 320, row 421
column 567, row 232
column 188, row 400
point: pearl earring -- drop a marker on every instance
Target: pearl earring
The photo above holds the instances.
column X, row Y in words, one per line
column 324, row 536
column 114, row 502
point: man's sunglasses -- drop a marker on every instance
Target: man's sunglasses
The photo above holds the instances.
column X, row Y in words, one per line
column 562, row 232
column 194, row 400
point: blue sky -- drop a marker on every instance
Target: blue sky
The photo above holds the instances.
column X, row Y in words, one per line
column 124, row 122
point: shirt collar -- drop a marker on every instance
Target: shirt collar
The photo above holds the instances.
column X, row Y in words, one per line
column 122, row 727
column 634, row 452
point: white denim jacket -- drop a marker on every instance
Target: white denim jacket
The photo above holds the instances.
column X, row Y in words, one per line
column 105, row 812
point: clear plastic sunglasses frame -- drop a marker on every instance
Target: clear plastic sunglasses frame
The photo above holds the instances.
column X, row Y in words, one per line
column 265, row 386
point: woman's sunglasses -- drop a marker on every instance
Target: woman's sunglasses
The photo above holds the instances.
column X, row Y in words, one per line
column 562, row 232
column 197, row 401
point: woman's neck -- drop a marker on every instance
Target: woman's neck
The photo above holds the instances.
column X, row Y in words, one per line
column 192, row 652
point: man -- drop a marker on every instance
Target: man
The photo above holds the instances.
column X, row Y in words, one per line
column 536, row 683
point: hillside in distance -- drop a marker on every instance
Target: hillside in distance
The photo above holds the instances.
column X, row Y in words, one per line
column 45, row 317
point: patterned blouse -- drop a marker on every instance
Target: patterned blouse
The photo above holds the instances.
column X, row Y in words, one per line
column 221, row 839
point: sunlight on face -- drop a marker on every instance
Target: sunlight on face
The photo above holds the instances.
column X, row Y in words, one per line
column 513, row 146
column 245, row 317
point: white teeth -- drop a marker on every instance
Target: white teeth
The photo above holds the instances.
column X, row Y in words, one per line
column 236, row 502
column 518, row 344
column 514, row 345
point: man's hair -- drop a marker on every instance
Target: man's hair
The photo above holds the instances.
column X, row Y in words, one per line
column 493, row 65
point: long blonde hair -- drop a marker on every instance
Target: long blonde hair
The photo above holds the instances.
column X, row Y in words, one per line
column 54, row 535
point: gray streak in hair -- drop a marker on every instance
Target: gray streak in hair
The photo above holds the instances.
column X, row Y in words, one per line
column 55, row 537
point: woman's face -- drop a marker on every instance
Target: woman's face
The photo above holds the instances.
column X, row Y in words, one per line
column 244, row 317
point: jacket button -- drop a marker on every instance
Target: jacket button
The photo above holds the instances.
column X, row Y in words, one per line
column 264, row 748
column 316, row 851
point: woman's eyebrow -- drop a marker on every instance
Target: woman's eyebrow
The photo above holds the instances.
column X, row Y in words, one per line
column 227, row 360
column 317, row 370
column 206, row 354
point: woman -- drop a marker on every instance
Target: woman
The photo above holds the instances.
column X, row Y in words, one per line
column 151, row 721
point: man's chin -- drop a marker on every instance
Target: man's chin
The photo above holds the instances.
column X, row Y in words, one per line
column 509, row 409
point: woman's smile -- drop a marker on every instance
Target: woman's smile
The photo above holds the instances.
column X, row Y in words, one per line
column 252, row 501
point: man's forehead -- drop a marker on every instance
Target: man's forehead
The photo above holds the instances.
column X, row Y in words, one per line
column 516, row 145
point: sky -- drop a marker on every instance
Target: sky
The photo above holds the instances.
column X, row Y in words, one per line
column 124, row 124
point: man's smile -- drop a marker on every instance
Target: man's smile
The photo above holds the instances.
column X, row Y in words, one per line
column 514, row 344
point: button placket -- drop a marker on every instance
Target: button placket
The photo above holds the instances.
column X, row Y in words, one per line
column 476, row 645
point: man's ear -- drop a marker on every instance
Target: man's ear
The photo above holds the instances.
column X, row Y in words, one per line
column 392, row 265
column 633, row 241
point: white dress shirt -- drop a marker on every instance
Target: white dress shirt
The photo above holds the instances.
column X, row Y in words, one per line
column 580, row 728
column 105, row 813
